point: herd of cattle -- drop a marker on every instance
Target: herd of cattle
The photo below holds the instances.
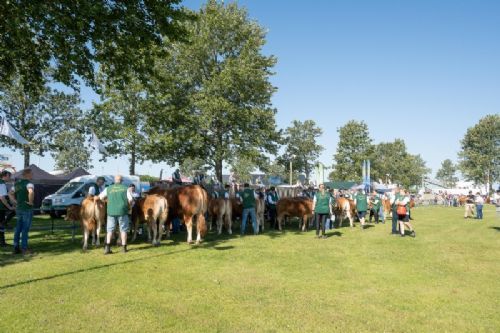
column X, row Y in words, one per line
column 192, row 204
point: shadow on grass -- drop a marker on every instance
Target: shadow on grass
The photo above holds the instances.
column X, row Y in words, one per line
column 90, row 269
column 496, row 228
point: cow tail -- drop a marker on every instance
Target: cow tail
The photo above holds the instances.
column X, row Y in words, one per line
column 93, row 220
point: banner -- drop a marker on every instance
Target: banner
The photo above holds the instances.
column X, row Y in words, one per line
column 97, row 144
column 7, row 130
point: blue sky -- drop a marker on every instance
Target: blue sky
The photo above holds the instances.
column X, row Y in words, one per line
column 423, row 71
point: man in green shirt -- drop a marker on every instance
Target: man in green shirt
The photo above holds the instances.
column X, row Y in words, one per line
column 247, row 197
column 23, row 196
column 119, row 201
column 375, row 207
column 361, row 203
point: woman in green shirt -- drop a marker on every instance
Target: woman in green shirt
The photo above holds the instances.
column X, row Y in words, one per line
column 322, row 204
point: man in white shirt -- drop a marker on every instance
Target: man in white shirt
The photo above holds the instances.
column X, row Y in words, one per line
column 98, row 188
column 6, row 209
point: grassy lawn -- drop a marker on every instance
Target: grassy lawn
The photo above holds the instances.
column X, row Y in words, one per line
column 444, row 280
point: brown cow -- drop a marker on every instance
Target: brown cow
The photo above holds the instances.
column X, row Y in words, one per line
column 237, row 208
column 260, row 206
column 343, row 210
column 221, row 210
column 154, row 211
column 386, row 206
column 92, row 215
column 295, row 207
column 189, row 203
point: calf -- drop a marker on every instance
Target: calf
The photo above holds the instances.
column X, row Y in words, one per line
column 92, row 215
column 154, row 211
column 260, row 206
column 221, row 209
column 343, row 210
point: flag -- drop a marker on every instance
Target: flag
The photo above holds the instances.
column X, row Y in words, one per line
column 7, row 130
column 97, row 144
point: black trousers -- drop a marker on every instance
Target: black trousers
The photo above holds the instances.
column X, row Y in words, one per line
column 272, row 215
column 5, row 217
column 374, row 212
column 320, row 222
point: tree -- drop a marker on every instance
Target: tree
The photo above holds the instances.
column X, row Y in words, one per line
column 242, row 168
column 223, row 111
column 73, row 36
column 480, row 151
column 276, row 169
column 190, row 166
column 354, row 146
column 447, row 174
column 120, row 120
column 72, row 152
column 38, row 116
column 392, row 161
column 301, row 146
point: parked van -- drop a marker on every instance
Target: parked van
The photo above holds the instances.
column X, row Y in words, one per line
column 73, row 192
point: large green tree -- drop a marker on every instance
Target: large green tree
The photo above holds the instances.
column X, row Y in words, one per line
column 479, row 157
column 301, row 146
column 354, row 146
column 71, row 151
column 39, row 116
column 71, row 37
column 223, row 111
column 447, row 173
column 391, row 161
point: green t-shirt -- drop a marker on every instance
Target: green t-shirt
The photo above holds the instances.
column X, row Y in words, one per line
column 117, row 200
column 21, row 193
column 376, row 203
column 248, row 197
column 322, row 205
column 361, row 203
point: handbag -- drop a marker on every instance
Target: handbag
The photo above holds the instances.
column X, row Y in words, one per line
column 401, row 210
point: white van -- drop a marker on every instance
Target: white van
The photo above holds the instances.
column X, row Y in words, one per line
column 73, row 192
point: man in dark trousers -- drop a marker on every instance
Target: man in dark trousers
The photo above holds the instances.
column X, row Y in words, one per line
column 272, row 199
column 248, row 197
column 6, row 209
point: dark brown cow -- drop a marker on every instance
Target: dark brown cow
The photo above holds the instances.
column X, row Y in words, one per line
column 295, row 207
column 188, row 203
column 237, row 208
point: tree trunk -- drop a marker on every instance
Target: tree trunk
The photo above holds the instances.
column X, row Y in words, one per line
column 218, row 170
column 132, row 162
column 26, row 153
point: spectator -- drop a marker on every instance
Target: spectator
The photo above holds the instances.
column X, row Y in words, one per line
column 361, row 203
column 6, row 209
column 469, row 206
column 403, row 212
column 272, row 199
column 376, row 203
column 23, row 196
column 176, row 177
column 247, row 197
column 322, row 204
column 479, row 206
column 98, row 188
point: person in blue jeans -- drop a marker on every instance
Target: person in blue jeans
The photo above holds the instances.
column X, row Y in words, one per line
column 23, row 196
column 247, row 197
column 479, row 201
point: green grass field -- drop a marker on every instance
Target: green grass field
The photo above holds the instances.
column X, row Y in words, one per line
column 447, row 279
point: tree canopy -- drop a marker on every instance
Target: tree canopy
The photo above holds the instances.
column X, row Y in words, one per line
column 479, row 157
column 447, row 173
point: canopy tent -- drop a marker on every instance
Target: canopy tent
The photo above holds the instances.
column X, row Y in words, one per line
column 45, row 183
column 77, row 172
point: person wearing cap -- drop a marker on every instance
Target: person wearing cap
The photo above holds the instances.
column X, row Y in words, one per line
column 119, row 201
column 272, row 199
column 23, row 196
column 6, row 209
column 361, row 203
column 98, row 187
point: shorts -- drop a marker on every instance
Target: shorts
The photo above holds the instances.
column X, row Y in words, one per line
column 123, row 221
column 361, row 215
column 404, row 218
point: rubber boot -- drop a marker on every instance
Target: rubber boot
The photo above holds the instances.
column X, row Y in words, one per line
column 107, row 249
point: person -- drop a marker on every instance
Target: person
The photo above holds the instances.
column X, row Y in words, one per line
column 247, row 197
column 6, row 209
column 361, row 203
column 226, row 192
column 272, row 199
column 394, row 196
column 119, row 200
column 23, row 196
column 375, row 207
column 479, row 206
column 176, row 177
column 469, row 204
column 322, row 209
column 403, row 214
column 98, row 187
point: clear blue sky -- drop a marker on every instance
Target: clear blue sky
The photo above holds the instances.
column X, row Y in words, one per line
column 421, row 70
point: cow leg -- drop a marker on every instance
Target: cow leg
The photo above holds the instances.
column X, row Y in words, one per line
column 219, row 224
column 262, row 221
column 200, row 221
column 279, row 222
column 85, row 238
column 229, row 223
column 304, row 221
column 134, row 236
column 148, row 226
column 97, row 234
column 188, row 222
